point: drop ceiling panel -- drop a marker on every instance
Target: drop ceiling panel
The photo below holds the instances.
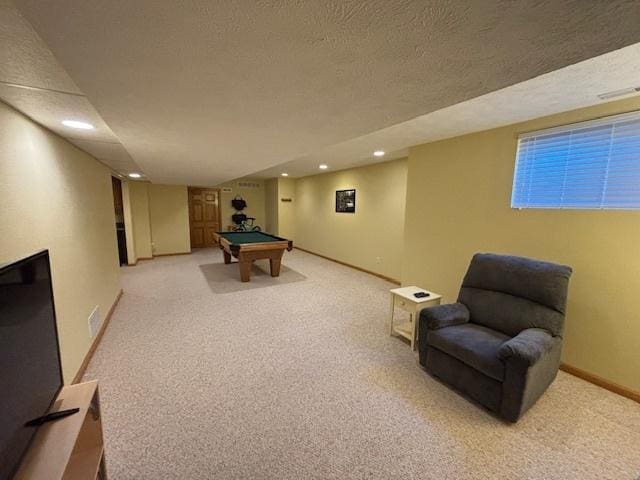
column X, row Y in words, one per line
column 32, row 81
column 50, row 108
column 24, row 58
column 113, row 154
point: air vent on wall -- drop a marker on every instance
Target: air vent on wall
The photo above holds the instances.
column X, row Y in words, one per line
column 95, row 321
column 248, row 185
column 619, row 93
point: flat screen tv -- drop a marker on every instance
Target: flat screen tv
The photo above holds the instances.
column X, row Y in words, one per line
column 30, row 370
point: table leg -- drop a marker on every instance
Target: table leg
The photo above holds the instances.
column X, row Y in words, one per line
column 245, row 270
column 412, row 319
column 274, row 264
column 393, row 305
column 227, row 257
column 275, row 260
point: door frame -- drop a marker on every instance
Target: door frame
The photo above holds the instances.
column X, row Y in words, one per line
column 123, row 248
column 219, row 191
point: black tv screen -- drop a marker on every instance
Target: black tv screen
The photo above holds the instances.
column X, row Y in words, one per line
column 30, row 370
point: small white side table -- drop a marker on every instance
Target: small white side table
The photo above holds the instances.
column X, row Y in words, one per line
column 403, row 298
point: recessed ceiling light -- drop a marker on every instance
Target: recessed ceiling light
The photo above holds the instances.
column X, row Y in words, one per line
column 378, row 153
column 135, row 175
column 284, row 174
column 77, row 124
column 323, row 166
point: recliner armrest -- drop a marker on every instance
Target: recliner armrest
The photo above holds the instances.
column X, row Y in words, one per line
column 529, row 345
column 442, row 316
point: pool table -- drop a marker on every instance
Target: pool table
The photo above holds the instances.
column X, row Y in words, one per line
column 250, row 246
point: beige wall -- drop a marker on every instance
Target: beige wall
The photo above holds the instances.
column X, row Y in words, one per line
column 271, row 205
column 458, row 203
column 371, row 238
column 54, row 196
column 280, row 215
column 287, row 210
column 132, row 256
column 255, row 198
column 169, row 219
column 139, row 198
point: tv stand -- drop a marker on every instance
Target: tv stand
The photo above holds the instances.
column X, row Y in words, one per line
column 70, row 448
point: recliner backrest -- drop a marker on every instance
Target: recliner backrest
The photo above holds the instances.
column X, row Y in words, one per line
column 510, row 294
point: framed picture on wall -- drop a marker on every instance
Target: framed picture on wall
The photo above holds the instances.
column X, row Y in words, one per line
column 346, row 201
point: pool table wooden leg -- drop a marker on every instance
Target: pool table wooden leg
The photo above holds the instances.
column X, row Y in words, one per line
column 227, row 257
column 274, row 264
column 245, row 270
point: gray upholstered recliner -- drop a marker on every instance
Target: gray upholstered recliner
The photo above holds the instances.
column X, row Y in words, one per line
column 500, row 343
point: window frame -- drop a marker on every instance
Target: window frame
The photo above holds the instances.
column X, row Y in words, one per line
column 570, row 128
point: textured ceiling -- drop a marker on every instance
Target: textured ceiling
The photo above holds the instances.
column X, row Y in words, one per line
column 24, row 58
column 200, row 92
column 32, row 81
column 569, row 88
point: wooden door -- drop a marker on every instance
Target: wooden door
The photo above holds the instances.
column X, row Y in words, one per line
column 204, row 216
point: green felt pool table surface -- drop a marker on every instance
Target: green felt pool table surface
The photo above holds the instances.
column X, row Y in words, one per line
column 240, row 238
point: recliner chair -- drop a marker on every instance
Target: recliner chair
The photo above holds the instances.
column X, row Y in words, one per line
column 500, row 344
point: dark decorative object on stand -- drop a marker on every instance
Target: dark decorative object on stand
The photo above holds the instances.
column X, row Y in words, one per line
column 243, row 223
column 238, row 203
column 346, row 201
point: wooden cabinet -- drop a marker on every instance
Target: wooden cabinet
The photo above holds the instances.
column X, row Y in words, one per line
column 71, row 448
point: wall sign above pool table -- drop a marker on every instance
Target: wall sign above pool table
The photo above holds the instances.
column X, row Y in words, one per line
column 346, row 201
column 250, row 246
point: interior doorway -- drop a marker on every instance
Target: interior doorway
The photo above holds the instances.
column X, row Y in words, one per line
column 204, row 216
column 118, row 205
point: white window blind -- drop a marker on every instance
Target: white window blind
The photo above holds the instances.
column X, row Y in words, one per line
column 593, row 165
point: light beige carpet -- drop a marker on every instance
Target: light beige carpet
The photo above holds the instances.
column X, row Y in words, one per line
column 226, row 278
column 301, row 380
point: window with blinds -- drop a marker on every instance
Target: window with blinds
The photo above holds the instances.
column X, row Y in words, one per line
column 592, row 165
